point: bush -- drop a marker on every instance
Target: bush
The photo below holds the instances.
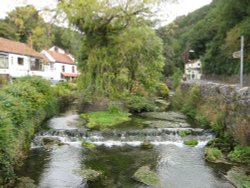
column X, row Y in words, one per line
column 212, row 154
column 137, row 103
column 240, row 154
column 23, row 106
column 163, row 90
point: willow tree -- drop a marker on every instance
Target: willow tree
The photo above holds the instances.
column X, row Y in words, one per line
column 119, row 46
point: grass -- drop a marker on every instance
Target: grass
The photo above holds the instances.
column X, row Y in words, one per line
column 212, row 154
column 191, row 142
column 184, row 133
column 105, row 119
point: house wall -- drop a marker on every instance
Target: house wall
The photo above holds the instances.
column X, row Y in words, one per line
column 58, row 70
column 193, row 70
column 18, row 70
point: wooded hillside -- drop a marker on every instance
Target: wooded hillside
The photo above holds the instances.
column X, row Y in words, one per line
column 213, row 32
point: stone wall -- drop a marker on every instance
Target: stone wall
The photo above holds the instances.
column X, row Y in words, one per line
column 236, row 100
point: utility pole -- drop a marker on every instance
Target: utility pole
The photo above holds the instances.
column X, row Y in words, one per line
column 241, row 61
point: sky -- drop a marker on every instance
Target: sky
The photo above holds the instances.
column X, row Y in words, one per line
column 168, row 12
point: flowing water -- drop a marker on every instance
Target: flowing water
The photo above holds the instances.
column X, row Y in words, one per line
column 118, row 155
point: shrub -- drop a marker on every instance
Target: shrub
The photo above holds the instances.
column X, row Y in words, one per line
column 177, row 78
column 23, row 106
column 212, row 154
column 137, row 103
column 163, row 90
column 240, row 154
column 113, row 108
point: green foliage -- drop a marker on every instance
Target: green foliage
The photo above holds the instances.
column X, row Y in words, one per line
column 23, row 106
column 137, row 103
column 176, row 77
column 105, row 119
column 213, row 32
column 184, row 133
column 192, row 142
column 163, row 90
column 212, row 154
column 88, row 145
column 240, row 154
column 113, row 109
column 118, row 48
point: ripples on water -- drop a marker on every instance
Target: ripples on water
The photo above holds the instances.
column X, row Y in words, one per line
column 118, row 156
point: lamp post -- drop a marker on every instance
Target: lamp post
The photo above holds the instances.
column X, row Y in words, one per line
column 241, row 61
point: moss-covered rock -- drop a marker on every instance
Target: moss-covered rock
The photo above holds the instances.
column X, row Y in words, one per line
column 88, row 145
column 192, row 142
column 146, row 176
column 89, row 174
column 146, row 145
column 184, row 133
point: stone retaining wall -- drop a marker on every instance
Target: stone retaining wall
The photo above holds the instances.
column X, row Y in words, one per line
column 236, row 99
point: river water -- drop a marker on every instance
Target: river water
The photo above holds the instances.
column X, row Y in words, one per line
column 118, row 156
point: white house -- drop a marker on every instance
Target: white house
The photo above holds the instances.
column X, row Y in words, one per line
column 61, row 64
column 193, row 70
column 18, row 59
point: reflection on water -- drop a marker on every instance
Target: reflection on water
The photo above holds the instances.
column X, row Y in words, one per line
column 177, row 165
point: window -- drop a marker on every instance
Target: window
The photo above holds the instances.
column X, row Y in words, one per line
column 52, row 66
column 73, row 69
column 20, row 61
column 4, row 61
column 63, row 68
column 35, row 64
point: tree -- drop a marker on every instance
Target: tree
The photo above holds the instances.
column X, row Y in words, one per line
column 118, row 48
column 30, row 26
column 7, row 30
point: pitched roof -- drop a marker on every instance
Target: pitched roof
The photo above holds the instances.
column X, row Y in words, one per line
column 14, row 47
column 61, row 58
column 69, row 74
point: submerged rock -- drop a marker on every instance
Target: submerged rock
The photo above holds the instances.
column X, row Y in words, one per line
column 165, row 124
column 49, row 141
column 146, row 176
column 168, row 116
column 90, row 175
column 146, row 145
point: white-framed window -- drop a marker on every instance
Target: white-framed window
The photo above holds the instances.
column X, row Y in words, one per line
column 73, row 69
column 35, row 64
column 4, row 64
column 63, row 68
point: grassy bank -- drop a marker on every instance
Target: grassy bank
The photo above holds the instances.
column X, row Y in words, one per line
column 105, row 119
column 24, row 105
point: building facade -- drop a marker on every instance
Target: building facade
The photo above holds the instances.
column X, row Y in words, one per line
column 18, row 59
column 61, row 64
column 193, row 70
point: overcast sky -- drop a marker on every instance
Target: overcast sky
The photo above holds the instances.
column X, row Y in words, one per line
column 168, row 14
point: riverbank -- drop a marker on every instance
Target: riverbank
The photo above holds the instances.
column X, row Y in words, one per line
column 223, row 108
column 24, row 105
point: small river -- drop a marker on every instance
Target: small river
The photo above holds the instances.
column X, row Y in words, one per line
column 118, row 155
